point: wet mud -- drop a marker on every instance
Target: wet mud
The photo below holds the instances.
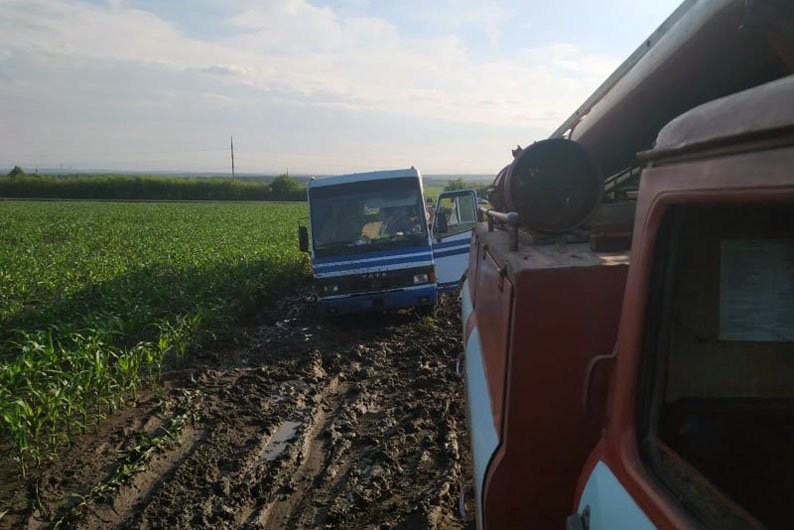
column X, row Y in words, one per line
column 303, row 423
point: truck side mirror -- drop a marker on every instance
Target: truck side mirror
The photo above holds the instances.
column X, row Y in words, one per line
column 303, row 238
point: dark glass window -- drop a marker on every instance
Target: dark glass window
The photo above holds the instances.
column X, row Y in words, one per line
column 367, row 216
column 716, row 417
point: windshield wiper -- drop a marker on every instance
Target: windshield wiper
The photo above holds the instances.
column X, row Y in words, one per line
column 335, row 245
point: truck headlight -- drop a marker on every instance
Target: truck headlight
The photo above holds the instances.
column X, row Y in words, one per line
column 421, row 278
column 327, row 289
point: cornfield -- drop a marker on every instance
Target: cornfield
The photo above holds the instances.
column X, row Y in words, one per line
column 94, row 297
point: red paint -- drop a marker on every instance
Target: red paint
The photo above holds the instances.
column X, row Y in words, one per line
column 748, row 178
column 494, row 299
column 474, row 268
column 563, row 314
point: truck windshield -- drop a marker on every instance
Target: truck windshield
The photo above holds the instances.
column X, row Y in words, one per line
column 367, row 216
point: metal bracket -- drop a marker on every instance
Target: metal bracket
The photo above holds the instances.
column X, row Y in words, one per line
column 511, row 220
column 502, row 275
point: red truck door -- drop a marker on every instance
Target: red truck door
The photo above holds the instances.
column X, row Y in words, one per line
column 701, row 424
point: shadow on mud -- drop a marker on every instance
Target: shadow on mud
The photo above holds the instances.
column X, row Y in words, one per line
column 300, row 422
column 376, row 320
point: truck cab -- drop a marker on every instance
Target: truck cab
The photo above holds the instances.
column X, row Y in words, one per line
column 701, row 422
column 371, row 246
column 628, row 319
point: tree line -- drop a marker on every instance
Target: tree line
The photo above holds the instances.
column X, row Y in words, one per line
column 460, row 184
column 21, row 185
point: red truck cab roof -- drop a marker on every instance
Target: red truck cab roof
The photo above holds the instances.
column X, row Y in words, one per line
column 755, row 113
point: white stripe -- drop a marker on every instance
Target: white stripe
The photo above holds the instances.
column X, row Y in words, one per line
column 378, row 268
column 483, row 435
column 354, row 260
column 466, row 307
column 611, row 506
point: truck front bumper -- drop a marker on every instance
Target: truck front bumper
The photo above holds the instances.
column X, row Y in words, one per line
column 417, row 296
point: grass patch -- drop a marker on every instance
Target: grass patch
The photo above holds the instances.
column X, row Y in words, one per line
column 95, row 296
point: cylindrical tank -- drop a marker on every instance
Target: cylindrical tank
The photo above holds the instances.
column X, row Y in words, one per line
column 552, row 184
column 496, row 193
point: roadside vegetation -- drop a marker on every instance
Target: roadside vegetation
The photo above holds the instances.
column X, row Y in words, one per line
column 22, row 185
column 433, row 187
column 460, row 184
column 95, row 297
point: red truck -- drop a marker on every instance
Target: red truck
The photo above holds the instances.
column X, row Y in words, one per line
column 628, row 308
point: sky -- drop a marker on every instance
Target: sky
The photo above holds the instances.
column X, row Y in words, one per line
column 309, row 87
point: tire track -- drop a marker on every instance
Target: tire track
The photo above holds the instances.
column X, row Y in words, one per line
column 304, row 424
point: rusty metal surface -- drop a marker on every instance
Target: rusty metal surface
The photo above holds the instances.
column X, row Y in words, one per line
column 762, row 109
column 706, row 50
column 749, row 177
column 719, row 47
column 553, row 185
column 494, row 304
column 565, row 314
column 622, row 70
column 510, row 220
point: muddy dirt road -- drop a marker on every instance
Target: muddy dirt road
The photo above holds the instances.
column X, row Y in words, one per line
column 302, row 424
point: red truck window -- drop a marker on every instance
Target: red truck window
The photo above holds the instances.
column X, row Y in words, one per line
column 717, row 392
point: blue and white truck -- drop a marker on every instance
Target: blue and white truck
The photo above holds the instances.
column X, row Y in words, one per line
column 372, row 246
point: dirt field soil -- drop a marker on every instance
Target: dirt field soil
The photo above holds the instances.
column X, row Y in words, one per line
column 304, row 423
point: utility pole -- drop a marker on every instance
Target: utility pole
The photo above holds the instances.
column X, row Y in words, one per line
column 232, row 157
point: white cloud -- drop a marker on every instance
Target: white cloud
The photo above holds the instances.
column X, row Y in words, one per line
column 289, row 53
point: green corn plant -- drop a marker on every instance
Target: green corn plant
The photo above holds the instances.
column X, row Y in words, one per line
column 95, row 298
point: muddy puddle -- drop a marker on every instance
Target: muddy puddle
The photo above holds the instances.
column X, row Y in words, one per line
column 280, row 440
column 303, row 423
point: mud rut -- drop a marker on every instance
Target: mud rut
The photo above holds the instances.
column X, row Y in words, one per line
column 303, row 424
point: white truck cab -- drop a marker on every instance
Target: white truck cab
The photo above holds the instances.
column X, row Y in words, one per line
column 371, row 246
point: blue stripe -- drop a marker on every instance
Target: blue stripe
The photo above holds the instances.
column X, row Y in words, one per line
column 448, row 244
column 419, row 260
column 453, row 252
column 370, row 255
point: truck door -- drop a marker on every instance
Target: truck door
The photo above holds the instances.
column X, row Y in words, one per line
column 455, row 216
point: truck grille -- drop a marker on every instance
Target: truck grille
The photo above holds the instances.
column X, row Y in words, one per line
column 371, row 281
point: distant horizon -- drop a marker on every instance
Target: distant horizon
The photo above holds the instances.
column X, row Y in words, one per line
column 309, row 86
column 209, row 173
